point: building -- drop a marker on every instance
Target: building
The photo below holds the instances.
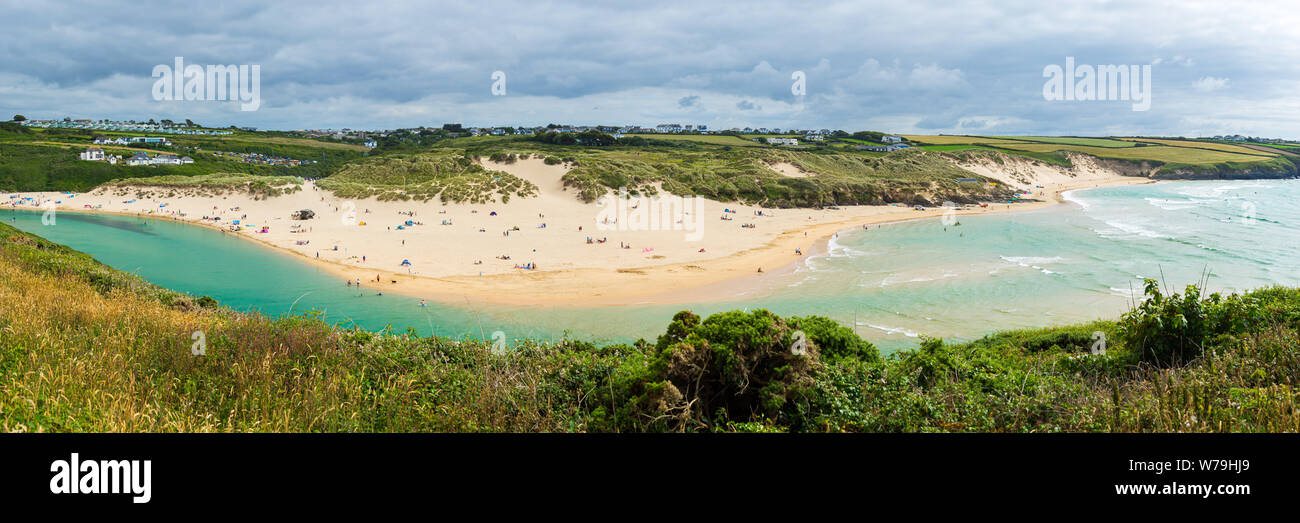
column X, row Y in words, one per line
column 93, row 154
column 782, row 141
column 371, row 144
column 139, row 158
column 891, row 139
column 883, row 148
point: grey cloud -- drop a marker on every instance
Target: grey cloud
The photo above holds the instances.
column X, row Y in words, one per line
column 914, row 66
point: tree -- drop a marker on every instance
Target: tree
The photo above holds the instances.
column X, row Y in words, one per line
column 19, row 118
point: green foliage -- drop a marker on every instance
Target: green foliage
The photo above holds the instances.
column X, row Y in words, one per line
column 444, row 175
column 1173, row 329
column 731, row 367
column 216, row 183
column 835, row 342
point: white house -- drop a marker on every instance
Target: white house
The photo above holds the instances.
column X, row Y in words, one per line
column 891, row 139
column 93, row 154
column 783, row 141
column 138, row 158
column 166, row 159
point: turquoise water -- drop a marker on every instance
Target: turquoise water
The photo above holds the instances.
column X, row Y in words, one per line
column 892, row 283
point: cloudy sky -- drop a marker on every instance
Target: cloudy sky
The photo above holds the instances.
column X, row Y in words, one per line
column 899, row 66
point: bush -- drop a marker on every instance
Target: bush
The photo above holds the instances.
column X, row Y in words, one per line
column 835, row 342
column 732, row 367
column 1171, row 330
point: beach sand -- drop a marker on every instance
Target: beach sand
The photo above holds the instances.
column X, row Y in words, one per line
column 460, row 260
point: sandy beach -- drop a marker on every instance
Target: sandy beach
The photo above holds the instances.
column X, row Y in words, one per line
column 580, row 254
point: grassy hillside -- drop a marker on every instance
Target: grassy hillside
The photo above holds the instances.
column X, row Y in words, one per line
column 724, row 173
column 209, row 184
column 87, row 348
column 34, row 159
column 448, row 176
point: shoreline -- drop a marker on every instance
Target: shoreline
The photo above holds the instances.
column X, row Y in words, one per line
column 711, row 279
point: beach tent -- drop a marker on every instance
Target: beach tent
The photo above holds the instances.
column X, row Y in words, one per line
column 406, row 263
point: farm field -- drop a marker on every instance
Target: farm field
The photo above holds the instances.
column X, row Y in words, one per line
column 957, row 140
column 1070, row 140
column 1160, row 153
column 1203, row 145
column 1161, row 150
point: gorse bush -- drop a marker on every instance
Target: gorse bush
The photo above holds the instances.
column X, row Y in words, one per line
column 732, row 366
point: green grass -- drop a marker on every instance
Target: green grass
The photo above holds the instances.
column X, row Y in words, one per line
column 213, row 184
column 1070, row 140
column 743, row 173
column 1156, row 153
column 87, row 348
column 47, row 159
column 425, row 176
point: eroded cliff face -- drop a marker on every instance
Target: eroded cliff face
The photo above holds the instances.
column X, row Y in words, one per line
column 1018, row 171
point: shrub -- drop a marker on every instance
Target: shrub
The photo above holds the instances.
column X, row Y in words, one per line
column 834, row 341
column 1170, row 330
column 732, row 367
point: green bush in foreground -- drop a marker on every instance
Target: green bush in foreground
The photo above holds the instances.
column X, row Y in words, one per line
column 1168, row 330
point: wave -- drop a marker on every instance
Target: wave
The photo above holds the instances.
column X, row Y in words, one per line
column 893, row 330
column 1179, row 205
column 1070, row 197
column 835, row 249
column 1128, row 230
column 1217, row 190
column 1026, row 261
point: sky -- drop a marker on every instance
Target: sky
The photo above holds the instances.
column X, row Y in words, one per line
column 900, row 66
